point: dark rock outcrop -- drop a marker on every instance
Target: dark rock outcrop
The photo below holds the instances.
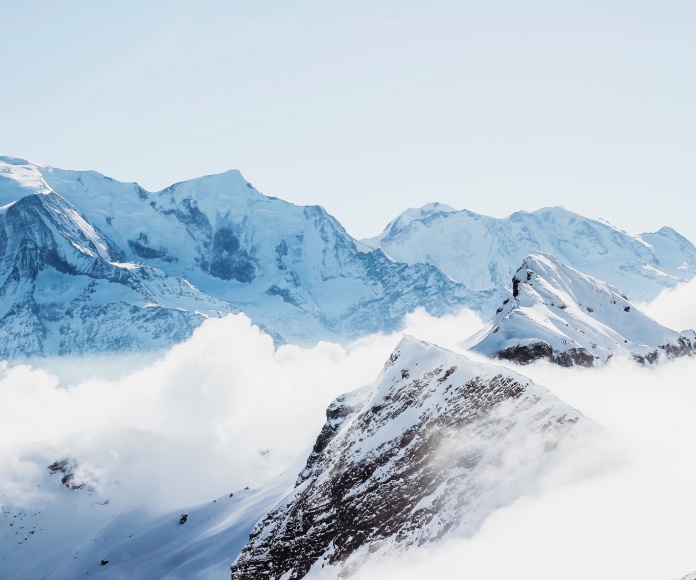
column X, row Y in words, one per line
column 67, row 468
column 529, row 353
column 436, row 445
column 561, row 315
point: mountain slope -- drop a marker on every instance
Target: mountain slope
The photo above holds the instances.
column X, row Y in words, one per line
column 67, row 530
column 436, row 445
column 484, row 252
column 65, row 288
column 292, row 269
column 560, row 314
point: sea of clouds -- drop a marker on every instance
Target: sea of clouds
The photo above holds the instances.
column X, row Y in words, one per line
column 626, row 511
column 226, row 410
column 222, row 411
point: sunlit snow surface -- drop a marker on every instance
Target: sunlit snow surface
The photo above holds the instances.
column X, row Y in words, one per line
column 556, row 306
column 484, row 252
column 226, row 409
column 65, row 534
column 214, row 240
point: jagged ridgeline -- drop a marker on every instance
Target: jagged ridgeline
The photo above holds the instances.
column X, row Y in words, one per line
column 93, row 265
column 90, row 264
column 434, row 447
column 484, row 252
column 566, row 317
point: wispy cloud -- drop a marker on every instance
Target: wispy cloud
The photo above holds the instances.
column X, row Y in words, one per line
column 626, row 511
column 222, row 411
column 674, row 307
column 226, row 410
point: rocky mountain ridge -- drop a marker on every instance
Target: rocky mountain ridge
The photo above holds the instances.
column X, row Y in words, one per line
column 436, row 445
column 564, row 316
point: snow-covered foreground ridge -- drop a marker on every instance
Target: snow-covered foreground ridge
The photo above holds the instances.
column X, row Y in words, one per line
column 559, row 314
column 72, row 531
column 433, row 448
column 470, row 436
column 90, row 264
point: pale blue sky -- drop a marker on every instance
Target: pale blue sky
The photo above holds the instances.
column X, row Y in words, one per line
column 368, row 107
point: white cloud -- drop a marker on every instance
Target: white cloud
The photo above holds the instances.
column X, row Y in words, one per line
column 193, row 424
column 634, row 520
column 674, row 307
column 222, row 411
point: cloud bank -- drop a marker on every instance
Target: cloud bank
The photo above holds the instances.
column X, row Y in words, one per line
column 674, row 307
column 632, row 518
column 222, row 411
column 225, row 410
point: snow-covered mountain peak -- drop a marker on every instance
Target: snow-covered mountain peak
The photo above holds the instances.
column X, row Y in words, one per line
column 19, row 178
column 415, row 213
column 483, row 252
column 560, row 314
column 553, row 280
column 432, row 448
column 547, row 212
column 214, row 195
column 10, row 160
column 406, row 217
column 429, row 209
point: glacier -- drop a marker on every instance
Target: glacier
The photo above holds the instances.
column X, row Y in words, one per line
column 205, row 247
column 484, row 252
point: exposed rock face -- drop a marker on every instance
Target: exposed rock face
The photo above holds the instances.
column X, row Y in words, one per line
column 525, row 354
column 434, row 446
column 561, row 315
column 683, row 345
column 67, row 469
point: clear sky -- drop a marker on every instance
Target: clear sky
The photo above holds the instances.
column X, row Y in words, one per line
column 368, row 107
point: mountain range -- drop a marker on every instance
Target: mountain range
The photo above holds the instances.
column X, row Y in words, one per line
column 428, row 451
column 93, row 265
column 484, row 252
